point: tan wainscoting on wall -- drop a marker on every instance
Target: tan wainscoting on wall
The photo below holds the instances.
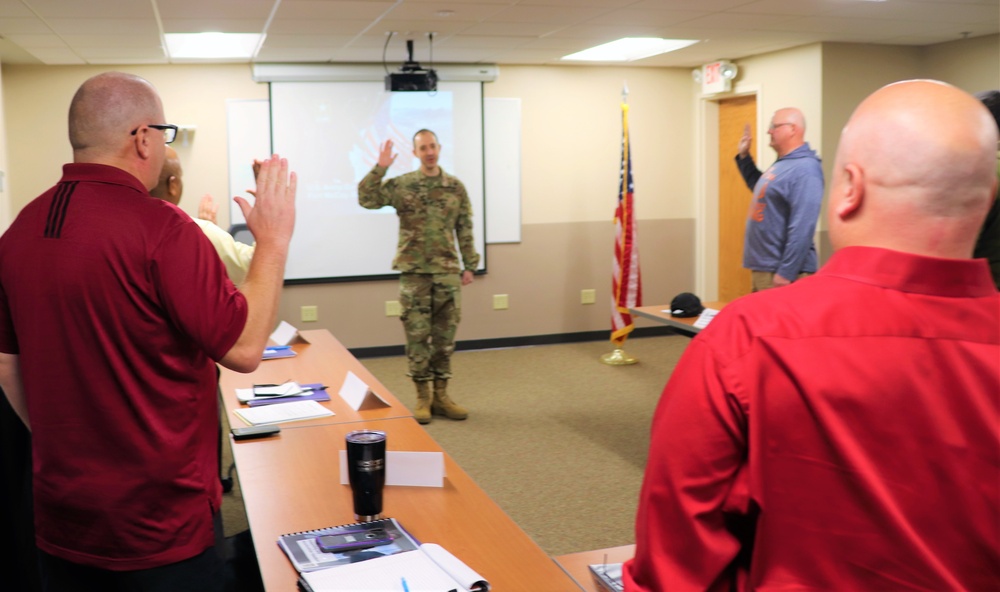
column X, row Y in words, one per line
column 823, row 247
column 542, row 277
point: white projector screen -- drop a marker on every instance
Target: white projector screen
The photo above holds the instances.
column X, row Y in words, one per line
column 330, row 132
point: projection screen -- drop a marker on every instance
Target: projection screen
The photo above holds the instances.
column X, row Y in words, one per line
column 331, row 132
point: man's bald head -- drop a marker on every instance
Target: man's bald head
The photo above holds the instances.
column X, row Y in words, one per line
column 107, row 107
column 109, row 120
column 169, row 187
column 787, row 130
column 915, row 171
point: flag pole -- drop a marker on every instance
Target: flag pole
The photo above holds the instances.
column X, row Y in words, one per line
column 626, row 292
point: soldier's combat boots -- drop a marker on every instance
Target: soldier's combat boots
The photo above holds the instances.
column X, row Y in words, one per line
column 423, row 411
column 443, row 405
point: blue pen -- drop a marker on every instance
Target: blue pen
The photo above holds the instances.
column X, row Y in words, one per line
column 405, row 587
column 277, row 347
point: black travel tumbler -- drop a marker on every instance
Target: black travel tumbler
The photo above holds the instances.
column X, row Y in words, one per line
column 366, row 472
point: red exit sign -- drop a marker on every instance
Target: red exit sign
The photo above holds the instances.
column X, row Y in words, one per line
column 712, row 78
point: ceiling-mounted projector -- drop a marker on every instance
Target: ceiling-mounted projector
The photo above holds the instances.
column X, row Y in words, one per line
column 411, row 77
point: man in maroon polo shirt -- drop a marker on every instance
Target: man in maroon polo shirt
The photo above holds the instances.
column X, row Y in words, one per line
column 114, row 309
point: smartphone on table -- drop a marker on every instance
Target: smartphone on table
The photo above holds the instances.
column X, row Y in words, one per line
column 353, row 540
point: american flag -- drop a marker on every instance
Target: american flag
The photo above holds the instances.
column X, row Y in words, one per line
column 626, row 285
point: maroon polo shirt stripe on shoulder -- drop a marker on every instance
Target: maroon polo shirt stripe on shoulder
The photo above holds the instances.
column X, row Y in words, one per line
column 57, row 210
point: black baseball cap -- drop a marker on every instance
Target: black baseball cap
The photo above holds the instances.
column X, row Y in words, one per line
column 686, row 304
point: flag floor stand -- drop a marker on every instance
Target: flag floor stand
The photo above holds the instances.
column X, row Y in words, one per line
column 618, row 358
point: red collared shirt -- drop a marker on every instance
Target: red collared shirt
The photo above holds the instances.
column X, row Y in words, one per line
column 841, row 433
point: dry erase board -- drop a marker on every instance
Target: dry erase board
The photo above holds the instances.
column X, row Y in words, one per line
column 249, row 135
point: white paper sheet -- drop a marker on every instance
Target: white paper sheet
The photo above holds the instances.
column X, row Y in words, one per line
column 428, row 569
column 280, row 412
column 705, row 318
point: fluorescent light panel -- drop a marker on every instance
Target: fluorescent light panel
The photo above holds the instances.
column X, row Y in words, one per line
column 212, row 45
column 629, row 49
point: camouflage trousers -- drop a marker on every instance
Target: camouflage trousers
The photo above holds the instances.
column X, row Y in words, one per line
column 431, row 310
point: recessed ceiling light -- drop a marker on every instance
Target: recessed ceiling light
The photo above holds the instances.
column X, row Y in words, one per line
column 212, row 45
column 629, row 49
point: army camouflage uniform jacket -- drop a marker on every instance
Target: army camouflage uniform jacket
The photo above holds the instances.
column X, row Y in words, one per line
column 431, row 210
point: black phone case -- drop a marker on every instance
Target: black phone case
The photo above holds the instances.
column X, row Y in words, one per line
column 262, row 431
column 353, row 541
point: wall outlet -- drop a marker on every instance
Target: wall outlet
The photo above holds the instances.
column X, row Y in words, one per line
column 588, row 296
column 500, row 302
column 392, row 308
column 310, row 314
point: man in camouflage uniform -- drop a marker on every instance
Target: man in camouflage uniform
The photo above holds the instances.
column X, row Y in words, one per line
column 433, row 208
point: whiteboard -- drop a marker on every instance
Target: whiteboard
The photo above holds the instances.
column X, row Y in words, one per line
column 249, row 137
column 248, row 125
column 502, row 137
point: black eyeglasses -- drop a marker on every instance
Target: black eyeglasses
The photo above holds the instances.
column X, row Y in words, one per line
column 169, row 131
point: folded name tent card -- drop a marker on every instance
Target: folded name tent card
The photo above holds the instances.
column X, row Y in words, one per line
column 413, row 469
column 286, row 334
column 358, row 395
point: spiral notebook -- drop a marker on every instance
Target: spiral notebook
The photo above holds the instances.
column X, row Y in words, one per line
column 306, row 555
column 431, row 568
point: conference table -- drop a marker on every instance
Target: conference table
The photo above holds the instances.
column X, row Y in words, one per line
column 291, row 482
column 661, row 314
column 320, row 358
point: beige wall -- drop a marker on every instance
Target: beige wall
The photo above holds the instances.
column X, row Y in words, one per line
column 971, row 64
column 853, row 71
column 37, row 101
column 571, row 141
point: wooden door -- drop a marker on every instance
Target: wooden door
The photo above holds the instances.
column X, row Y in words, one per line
column 734, row 196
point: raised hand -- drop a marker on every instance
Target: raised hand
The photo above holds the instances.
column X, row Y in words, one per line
column 272, row 217
column 385, row 155
column 743, row 148
column 207, row 208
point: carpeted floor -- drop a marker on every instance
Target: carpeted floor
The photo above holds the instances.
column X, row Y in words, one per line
column 557, row 438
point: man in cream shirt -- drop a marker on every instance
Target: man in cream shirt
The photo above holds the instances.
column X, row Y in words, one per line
column 235, row 255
